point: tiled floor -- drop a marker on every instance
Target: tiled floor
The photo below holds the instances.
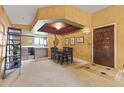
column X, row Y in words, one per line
column 47, row 73
column 106, row 72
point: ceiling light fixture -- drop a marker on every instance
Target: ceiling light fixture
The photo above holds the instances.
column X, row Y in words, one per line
column 58, row 25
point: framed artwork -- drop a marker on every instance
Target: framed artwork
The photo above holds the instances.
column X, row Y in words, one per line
column 80, row 39
column 66, row 41
column 72, row 40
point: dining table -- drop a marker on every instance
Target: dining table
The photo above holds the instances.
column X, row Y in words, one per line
column 60, row 54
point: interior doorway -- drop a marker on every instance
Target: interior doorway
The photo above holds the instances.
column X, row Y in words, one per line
column 103, row 46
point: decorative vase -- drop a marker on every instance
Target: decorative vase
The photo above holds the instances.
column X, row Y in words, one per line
column 56, row 41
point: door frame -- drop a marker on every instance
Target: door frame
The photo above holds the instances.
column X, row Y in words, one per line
column 115, row 41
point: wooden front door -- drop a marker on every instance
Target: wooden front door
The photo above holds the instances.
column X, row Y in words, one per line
column 103, row 46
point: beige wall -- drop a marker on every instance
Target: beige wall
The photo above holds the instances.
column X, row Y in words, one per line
column 4, row 17
column 26, row 40
column 22, row 27
column 78, row 16
column 82, row 50
column 4, row 20
column 4, row 23
column 50, row 42
column 113, row 14
column 51, row 12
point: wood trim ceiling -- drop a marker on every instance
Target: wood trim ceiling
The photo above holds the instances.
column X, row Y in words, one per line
column 66, row 28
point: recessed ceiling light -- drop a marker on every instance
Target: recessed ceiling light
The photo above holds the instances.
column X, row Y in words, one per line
column 58, row 25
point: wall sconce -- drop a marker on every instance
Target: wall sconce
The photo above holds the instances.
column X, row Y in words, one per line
column 86, row 30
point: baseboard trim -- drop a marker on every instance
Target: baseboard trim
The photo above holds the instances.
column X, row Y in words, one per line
column 80, row 61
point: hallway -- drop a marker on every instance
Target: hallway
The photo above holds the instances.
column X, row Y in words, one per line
column 46, row 73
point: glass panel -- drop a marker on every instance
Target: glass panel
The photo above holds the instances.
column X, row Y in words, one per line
column 45, row 42
column 36, row 41
column 41, row 41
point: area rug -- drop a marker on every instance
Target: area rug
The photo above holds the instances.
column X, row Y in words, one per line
column 103, row 71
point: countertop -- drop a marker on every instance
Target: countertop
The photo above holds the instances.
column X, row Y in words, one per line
column 33, row 46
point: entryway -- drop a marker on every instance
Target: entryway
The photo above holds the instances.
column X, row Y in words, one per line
column 103, row 45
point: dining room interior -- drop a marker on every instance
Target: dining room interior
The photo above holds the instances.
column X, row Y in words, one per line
column 61, row 45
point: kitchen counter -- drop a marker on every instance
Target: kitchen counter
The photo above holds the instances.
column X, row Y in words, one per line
column 38, row 52
column 33, row 46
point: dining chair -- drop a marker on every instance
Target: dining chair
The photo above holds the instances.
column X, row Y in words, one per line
column 68, row 54
column 54, row 51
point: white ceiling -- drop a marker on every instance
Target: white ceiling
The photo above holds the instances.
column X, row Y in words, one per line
column 21, row 14
column 91, row 8
column 24, row 14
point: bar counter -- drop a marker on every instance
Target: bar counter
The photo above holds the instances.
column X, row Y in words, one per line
column 33, row 52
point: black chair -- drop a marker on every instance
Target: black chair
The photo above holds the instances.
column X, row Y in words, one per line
column 67, row 54
column 54, row 51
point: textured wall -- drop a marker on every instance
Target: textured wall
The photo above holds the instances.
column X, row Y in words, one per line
column 113, row 14
column 4, row 17
column 26, row 40
column 23, row 27
column 78, row 16
column 51, row 12
column 50, row 42
column 82, row 50
column 4, row 23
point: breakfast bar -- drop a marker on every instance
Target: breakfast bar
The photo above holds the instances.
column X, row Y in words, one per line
column 34, row 52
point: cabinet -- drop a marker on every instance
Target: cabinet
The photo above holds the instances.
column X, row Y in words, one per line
column 41, row 52
column 38, row 53
column 24, row 53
